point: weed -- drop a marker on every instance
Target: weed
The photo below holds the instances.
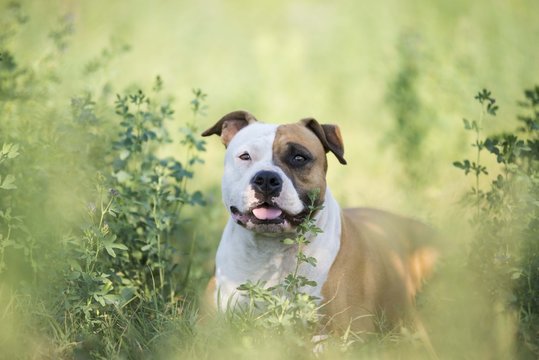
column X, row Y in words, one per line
column 487, row 107
column 119, row 287
column 505, row 254
column 123, row 263
column 10, row 221
column 287, row 305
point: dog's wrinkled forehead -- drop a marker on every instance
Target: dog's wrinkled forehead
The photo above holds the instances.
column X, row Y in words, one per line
column 257, row 139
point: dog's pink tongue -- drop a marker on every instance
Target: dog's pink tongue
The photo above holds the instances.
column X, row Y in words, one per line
column 267, row 213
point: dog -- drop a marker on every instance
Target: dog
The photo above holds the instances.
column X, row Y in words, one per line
column 370, row 263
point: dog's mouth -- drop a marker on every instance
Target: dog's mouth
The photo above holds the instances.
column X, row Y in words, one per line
column 266, row 214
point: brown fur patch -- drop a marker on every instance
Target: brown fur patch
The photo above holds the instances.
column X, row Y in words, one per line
column 378, row 270
column 293, row 139
column 208, row 306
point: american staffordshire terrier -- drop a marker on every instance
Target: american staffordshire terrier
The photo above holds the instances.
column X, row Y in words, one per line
column 369, row 262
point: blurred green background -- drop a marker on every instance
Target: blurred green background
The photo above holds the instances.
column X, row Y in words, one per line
column 337, row 62
column 396, row 76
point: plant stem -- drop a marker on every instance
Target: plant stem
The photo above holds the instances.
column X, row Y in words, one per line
column 158, row 235
column 478, row 159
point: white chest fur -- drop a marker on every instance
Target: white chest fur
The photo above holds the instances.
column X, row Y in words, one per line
column 243, row 255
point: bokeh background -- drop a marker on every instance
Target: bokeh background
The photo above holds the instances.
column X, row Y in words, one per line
column 397, row 76
column 338, row 62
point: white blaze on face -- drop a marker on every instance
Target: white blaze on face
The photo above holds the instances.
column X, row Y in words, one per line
column 256, row 140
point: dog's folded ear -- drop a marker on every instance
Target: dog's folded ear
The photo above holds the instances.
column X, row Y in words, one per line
column 229, row 125
column 329, row 135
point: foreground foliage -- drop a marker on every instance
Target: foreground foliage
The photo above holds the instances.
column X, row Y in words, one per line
column 505, row 214
column 91, row 215
column 287, row 305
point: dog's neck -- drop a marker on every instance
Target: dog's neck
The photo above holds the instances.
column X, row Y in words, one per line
column 244, row 255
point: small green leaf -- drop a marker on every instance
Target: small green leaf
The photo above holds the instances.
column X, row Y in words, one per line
column 122, row 176
column 8, row 183
column 10, row 150
column 118, row 246
column 112, row 299
column 110, row 251
column 124, row 154
column 146, row 247
column 99, row 299
column 197, row 198
column 288, row 241
column 311, row 260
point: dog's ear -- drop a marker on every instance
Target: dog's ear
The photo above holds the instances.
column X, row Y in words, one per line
column 229, row 125
column 329, row 135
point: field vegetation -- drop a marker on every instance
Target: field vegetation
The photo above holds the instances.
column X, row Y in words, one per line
column 110, row 210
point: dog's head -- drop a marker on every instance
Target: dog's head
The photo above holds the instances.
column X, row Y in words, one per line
column 271, row 169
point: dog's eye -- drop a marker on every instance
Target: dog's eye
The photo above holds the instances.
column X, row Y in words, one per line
column 299, row 160
column 245, row 156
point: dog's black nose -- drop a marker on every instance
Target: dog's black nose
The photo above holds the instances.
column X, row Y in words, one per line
column 268, row 183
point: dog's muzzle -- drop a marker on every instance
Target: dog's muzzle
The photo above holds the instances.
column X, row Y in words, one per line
column 264, row 214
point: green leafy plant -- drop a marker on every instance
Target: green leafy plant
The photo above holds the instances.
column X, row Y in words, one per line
column 123, row 262
column 505, row 251
column 487, row 107
column 287, row 305
column 9, row 221
column 91, row 213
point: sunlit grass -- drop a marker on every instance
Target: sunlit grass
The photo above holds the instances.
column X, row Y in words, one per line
column 282, row 61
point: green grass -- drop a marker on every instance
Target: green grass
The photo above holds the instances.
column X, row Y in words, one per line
column 396, row 76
